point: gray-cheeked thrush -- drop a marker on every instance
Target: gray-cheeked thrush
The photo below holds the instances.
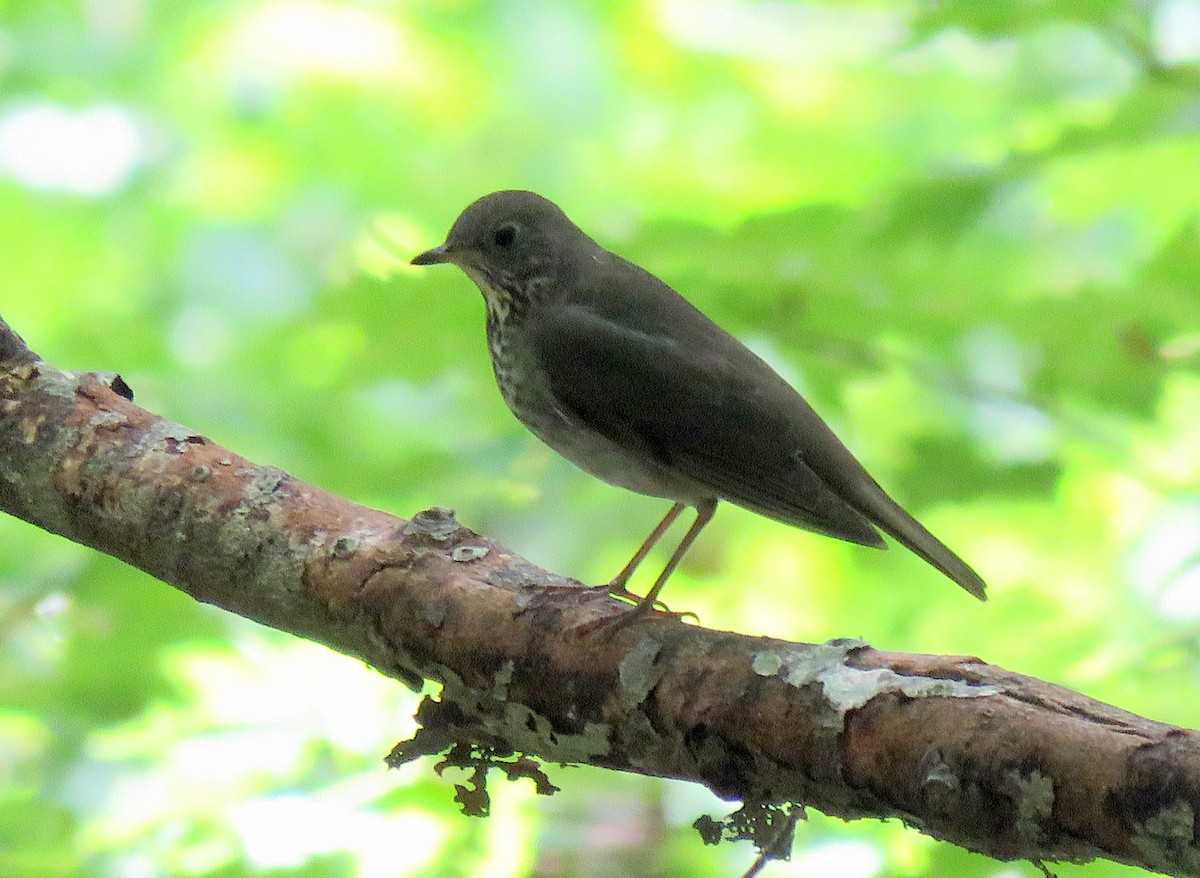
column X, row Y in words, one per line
column 620, row 374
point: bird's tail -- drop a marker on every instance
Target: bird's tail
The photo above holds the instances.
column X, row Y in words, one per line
column 885, row 512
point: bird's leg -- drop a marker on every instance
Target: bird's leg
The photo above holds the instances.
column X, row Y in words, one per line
column 617, row 588
column 704, row 514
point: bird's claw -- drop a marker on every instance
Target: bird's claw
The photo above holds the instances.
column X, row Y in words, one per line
column 618, row 590
column 622, row 593
column 612, row 624
column 639, row 610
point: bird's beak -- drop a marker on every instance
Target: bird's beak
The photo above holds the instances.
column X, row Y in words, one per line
column 436, row 256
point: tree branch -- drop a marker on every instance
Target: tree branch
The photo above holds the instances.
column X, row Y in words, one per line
column 999, row 763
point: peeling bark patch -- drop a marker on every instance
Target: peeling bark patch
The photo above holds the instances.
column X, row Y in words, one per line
column 1177, row 820
column 521, row 728
column 473, row 795
column 767, row 664
column 770, row 826
column 175, row 438
column 848, row 688
column 344, row 547
column 264, row 483
column 1032, row 794
column 1155, row 783
column 468, row 553
column 638, row 673
column 522, row 766
column 106, row 420
column 118, row 386
column 443, row 730
column 1168, row 837
column 530, row 732
column 1015, row 805
column 800, row 666
column 481, row 730
column 1158, row 804
column 176, row 445
column 437, row 523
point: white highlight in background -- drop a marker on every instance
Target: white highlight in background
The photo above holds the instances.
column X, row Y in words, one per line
column 1176, row 29
column 90, row 152
column 297, row 36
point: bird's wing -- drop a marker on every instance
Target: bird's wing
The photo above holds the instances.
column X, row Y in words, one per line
column 714, row 420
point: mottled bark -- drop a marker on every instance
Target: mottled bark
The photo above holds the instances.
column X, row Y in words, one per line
column 997, row 762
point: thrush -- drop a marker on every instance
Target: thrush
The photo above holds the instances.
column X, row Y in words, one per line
column 623, row 376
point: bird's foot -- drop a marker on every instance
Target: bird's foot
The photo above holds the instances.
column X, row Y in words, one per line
column 610, row 625
column 618, row 590
column 640, row 610
column 644, row 608
column 612, row 589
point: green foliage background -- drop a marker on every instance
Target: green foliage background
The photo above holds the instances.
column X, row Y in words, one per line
column 968, row 231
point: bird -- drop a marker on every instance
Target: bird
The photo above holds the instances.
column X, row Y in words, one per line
column 623, row 376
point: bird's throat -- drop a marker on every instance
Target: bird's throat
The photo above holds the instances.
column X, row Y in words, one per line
column 499, row 299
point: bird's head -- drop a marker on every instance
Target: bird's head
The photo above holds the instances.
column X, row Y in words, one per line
column 511, row 243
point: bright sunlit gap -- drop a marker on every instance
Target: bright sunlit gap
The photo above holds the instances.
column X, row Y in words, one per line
column 217, row 758
column 797, row 33
column 298, row 36
column 1166, row 565
column 837, row 859
column 91, row 152
column 282, row 831
column 1005, row 422
column 1177, row 31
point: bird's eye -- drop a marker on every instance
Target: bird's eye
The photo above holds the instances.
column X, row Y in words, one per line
column 505, row 235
